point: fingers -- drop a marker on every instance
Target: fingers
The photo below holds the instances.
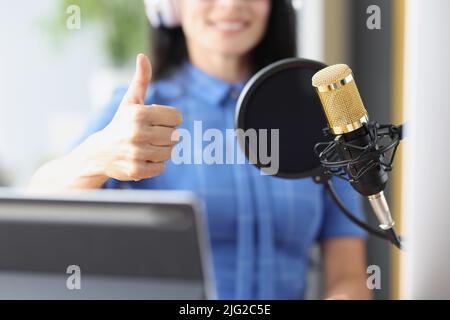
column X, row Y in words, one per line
column 156, row 125
column 154, row 135
column 164, row 116
column 157, row 115
column 149, row 153
column 160, row 136
column 138, row 87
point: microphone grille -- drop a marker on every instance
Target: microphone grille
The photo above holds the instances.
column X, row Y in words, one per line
column 340, row 98
column 330, row 75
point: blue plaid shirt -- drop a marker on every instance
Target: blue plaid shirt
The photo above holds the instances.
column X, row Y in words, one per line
column 261, row 228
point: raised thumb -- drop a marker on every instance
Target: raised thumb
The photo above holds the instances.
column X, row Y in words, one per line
column 138, row 87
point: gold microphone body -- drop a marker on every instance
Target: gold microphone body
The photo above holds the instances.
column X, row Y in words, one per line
column 340, row 98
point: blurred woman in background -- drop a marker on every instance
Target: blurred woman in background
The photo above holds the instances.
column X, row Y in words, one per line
column 261, row 228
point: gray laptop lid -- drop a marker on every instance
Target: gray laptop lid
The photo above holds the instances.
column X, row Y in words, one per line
column 104, row 245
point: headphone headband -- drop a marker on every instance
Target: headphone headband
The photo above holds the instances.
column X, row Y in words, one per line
column 163, row 13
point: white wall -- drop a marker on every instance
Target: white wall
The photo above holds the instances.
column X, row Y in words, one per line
column 311, row 35
column 44, row 91
column 426, row 263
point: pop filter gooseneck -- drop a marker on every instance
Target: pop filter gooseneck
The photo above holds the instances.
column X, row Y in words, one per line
column 281, row 97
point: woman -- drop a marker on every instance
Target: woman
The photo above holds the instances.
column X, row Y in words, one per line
column 261, row 227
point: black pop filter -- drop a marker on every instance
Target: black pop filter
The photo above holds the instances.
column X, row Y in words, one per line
column 281, row 96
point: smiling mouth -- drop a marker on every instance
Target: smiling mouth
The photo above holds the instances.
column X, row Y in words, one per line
column 229, row 26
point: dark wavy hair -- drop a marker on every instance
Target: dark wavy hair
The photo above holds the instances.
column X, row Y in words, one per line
column 169, row 49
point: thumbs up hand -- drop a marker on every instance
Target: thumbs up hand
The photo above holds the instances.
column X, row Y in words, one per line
column 140, row 138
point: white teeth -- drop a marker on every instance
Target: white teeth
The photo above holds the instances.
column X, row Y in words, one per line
column 229, row 26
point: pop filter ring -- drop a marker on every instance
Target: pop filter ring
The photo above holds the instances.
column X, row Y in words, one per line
column 248, row 93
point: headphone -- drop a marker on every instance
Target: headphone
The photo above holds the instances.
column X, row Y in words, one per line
column 163, row 13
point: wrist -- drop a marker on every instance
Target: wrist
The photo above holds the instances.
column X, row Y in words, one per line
column 88, row 161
